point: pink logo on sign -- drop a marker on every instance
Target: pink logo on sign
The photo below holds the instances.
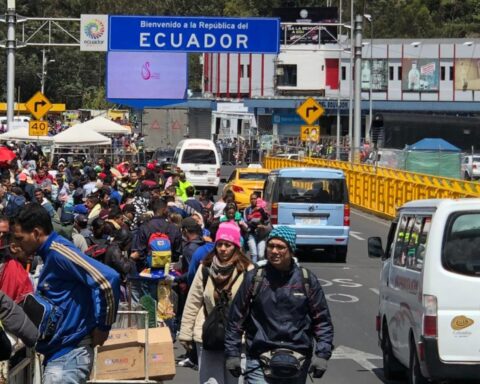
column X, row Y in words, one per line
column 147, row 74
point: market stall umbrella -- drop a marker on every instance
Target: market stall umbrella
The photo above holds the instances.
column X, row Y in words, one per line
column 22, row 134
column 6, row 155
column 104, row 126
column 78, row 136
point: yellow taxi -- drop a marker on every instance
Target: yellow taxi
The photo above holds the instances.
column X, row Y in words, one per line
column 244, row 181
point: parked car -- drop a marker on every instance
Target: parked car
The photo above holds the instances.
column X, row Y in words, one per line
column 428, row 314
column 313, row 201
column 471, row 167
column 244, row 181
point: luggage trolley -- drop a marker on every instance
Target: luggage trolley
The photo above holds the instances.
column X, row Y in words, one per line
column 146, row 379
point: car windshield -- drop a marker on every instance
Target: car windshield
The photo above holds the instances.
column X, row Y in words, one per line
column 461, row 244
column 252, row 176
column 476, row 159
column 164, row 154
column 307, row 190
column 198, row 156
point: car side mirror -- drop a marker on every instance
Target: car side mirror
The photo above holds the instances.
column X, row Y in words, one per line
column 375, row 249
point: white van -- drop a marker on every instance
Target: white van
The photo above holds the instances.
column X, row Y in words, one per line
column 429, row 314
column 200, row 161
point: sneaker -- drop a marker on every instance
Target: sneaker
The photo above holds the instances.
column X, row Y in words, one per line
column 187, row 363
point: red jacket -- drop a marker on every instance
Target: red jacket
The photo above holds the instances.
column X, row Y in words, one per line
column 14, row 280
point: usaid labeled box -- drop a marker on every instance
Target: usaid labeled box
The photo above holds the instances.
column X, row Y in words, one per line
column 116, row 361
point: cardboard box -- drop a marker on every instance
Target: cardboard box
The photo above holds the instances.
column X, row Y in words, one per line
column 161, row 357
column 125, row 337
column 119, row 363
column 124, row 361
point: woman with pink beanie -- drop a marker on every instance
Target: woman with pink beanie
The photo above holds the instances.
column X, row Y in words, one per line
column 216, row 281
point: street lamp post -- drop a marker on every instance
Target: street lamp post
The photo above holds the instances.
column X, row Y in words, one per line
column 337, row 156
column 350, row 104
column 11, row 45
column 357, row 122
column 370, row 106
column 43, row 75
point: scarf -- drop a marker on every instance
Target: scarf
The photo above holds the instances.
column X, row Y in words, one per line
column 222, row 272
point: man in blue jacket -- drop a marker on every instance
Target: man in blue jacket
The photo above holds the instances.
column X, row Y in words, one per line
column 83, row 292
column 281, row 309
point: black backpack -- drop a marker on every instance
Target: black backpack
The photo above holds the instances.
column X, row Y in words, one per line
column 213, row 331
column 96, row 247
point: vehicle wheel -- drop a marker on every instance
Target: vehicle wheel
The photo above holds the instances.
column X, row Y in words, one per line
column 414, row 372
column 466, row 176
column 392, row 369
column 341, row 253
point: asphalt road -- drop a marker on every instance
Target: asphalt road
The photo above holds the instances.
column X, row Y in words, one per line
column 352, row 295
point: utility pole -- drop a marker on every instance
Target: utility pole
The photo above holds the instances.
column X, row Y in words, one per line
column 339, row 33
column 368, row 129
column 358, row 83
column 11, row 45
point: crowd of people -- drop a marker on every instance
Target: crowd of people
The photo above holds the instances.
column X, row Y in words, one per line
column 79, row 240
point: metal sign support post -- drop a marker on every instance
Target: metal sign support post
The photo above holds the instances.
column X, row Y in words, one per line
column 357, row 122
column 11, row 45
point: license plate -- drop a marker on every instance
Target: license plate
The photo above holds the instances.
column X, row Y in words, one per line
column 198, row 172
column 211, row 179
column 313, row 221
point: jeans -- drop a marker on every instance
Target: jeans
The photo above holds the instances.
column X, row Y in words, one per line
column 72, row 368
column 254, row 374
column 257, row 248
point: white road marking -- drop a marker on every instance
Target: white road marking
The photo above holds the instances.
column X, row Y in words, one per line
column 371, row 217
column 356, row 235
column 347, row 283
column 375, row 290
column 360, row 357
column 335, row 298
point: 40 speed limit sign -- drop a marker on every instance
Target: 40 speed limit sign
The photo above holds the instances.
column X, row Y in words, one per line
column 37, row 128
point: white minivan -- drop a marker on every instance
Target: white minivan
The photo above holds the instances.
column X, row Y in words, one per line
column 429, row 314
column 201, row 162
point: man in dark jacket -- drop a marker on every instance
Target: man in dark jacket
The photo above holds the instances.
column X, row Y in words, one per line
column 282, row 306
column 157, row 224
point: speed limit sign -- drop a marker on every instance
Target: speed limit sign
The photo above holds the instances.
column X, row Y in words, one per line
column 37, row 128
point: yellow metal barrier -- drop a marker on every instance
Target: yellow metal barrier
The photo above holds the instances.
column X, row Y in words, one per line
column 382, row 190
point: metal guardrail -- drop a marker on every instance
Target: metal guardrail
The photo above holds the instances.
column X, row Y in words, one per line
column 380, row 190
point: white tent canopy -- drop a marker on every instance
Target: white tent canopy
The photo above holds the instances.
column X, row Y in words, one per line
column 21, row 134
column 103, row 125
column 79, row 136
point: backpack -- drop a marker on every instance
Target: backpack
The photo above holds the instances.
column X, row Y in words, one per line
column 213, row 330
column 159, row 250
column 14, row 205
column 96, row 247
column 67, row 213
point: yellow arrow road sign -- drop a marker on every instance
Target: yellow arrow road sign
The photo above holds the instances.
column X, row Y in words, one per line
column 38, row 105
column 310, row 111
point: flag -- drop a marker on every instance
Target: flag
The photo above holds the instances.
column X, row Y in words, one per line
column 428, row 69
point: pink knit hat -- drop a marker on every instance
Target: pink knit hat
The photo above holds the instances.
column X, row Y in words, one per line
column 229, row 232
